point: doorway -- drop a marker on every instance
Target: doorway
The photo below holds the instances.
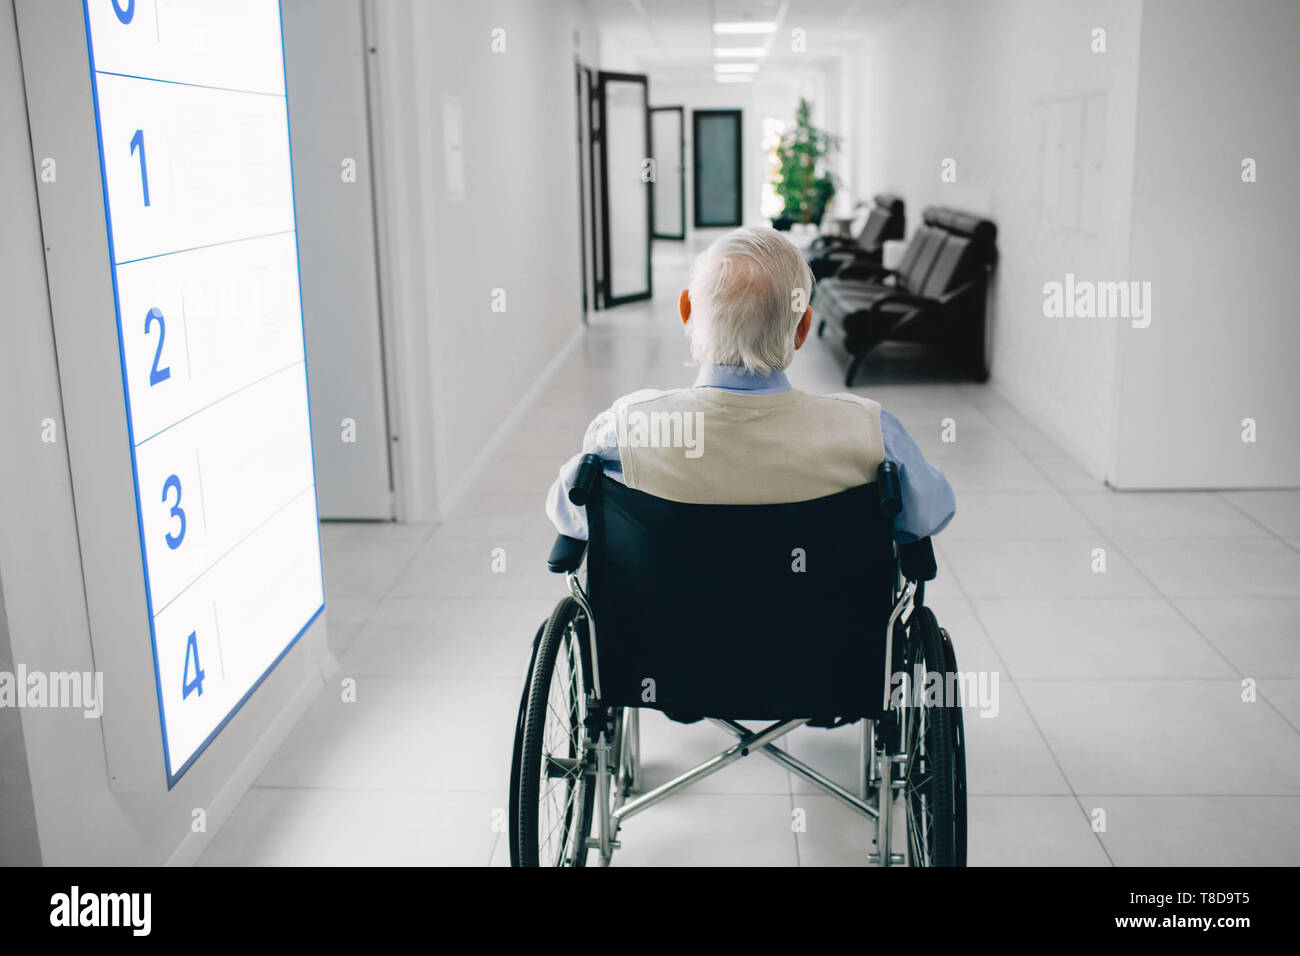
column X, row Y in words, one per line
column 668, row 142
column 622, row 134
column 717, row 168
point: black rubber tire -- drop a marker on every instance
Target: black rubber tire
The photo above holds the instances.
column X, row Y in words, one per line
column 936, row 787
column 512, row 827
column 959, row 754
column 567, row 624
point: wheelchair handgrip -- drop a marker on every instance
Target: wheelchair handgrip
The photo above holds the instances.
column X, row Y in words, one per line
column 590, row 468
column 890, row 487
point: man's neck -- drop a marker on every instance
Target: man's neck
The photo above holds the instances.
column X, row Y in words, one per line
column 734, row 378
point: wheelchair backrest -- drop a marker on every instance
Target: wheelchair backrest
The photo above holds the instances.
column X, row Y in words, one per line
column 742, row 611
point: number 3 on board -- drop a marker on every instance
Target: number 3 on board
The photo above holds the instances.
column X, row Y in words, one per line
column 174, row 540
column 189, row 686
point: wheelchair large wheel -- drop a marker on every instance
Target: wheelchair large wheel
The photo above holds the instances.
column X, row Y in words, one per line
column 934, row 773
column 554, row 795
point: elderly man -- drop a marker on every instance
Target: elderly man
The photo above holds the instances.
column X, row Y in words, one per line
column 742, row 434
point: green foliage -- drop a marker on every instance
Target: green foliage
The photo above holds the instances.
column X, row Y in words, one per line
column 804, row 183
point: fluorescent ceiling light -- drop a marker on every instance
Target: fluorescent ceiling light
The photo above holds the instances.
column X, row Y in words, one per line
column 735, row 68
column 747, row 51
column 733, row 78
column 744, row 26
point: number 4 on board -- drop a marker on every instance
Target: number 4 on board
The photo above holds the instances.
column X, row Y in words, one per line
column 192, row 652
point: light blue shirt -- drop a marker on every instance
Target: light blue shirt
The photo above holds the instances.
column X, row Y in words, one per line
column 928, row 503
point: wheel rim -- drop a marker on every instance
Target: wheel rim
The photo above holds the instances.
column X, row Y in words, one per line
column 918, row 779
column 933, row 778
column 563, row 769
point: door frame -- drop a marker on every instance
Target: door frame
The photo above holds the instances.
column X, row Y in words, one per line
column 696, row 116
column 681, row 159
column 579, row 74
column 607, row 299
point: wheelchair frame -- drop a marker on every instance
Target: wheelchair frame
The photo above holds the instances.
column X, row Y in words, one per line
column 612, row 734
column 872, row 766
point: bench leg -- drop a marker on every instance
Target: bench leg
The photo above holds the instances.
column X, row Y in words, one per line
column 853, row 370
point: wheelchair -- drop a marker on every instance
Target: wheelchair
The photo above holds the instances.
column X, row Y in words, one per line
column 786, row 615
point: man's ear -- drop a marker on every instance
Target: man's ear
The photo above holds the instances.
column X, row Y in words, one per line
column 801, row 330
column 684, row 306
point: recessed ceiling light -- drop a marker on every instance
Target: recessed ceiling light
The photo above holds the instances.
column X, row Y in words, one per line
column 735, row 68
column 733, row 51
column 744, row 26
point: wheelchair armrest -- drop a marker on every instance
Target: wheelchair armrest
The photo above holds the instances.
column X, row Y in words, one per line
column 566, row 554
column 917, row 560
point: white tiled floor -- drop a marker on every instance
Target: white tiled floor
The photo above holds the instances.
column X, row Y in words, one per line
column 1119, row 691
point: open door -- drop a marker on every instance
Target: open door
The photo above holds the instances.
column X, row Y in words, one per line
column 717, row 168
column 622, row 140
column 668, row 140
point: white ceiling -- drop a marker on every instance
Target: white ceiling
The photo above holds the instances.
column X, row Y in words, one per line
column 663, row 34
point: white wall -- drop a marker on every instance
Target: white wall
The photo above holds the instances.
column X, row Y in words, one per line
column 974, row 81
column 1218, row 83
column 463, row 369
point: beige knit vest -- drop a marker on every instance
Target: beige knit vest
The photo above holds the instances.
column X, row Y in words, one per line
column 710, row 446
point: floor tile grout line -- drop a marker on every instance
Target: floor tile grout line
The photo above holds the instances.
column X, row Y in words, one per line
column 1115, row 545
column 1223, row 496
column 320, row 788
column 1168, row 600
column 1029, row 710
column 1178, row 610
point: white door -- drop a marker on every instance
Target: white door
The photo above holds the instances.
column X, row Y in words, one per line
column 333, row 199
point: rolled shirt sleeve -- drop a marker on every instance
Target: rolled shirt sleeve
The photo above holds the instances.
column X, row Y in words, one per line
column 928, row 502
column 601, row 440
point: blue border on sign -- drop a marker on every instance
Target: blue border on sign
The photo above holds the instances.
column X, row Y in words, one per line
column 174, row 777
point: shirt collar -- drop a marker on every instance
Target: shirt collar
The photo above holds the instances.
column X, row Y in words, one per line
column 734, row 378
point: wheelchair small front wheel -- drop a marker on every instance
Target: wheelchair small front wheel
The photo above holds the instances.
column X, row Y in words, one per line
column 555, row 796
column 934, row 773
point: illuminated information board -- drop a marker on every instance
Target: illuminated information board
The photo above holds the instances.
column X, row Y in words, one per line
column 193, row 130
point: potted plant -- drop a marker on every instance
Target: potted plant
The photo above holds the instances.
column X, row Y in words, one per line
column 803, row 182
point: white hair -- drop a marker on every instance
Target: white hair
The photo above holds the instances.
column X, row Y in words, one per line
column 748, row 291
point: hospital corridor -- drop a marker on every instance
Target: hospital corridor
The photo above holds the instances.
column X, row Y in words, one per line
column 1101, row 700
column 707, row 434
